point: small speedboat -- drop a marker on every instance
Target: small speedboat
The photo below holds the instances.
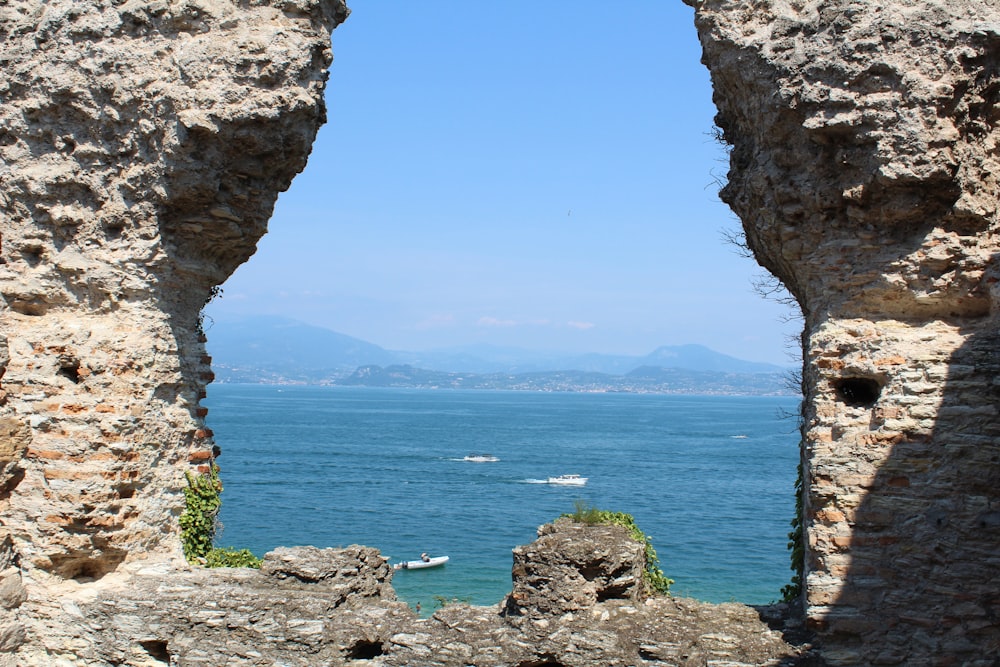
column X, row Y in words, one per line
column 481, row 458
column 568, row 480
column 424, row 562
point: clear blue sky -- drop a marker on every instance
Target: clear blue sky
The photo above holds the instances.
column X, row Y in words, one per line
column 527, row 174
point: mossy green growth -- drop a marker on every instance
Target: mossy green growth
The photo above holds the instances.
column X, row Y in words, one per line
column 652, row 574
column 198, row 523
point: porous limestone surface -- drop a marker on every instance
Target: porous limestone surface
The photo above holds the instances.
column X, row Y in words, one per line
column 142, row 147
column 864, row 167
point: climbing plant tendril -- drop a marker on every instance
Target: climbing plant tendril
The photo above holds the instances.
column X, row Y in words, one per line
column 793, row 590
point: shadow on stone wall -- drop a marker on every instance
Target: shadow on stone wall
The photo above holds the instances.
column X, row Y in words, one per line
column 922, row 584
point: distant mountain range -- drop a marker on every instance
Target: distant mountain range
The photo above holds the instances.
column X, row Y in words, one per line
column 273, row 350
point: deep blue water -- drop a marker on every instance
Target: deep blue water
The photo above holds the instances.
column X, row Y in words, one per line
column 332, row 466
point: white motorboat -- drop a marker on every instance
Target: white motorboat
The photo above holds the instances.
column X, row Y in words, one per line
column 424, row 562
column 568, row 480
column 481, row 458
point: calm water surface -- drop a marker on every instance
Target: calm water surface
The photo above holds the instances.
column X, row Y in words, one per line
column 332, row 466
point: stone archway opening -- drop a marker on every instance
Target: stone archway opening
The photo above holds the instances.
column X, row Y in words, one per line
column 305, row 217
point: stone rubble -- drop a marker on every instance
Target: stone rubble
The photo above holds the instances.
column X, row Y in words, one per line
column 309, row 606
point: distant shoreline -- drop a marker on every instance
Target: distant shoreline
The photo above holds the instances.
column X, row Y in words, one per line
column 662, row 381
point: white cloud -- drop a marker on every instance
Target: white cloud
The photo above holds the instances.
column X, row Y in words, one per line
column 494, row 322
column 583, row 326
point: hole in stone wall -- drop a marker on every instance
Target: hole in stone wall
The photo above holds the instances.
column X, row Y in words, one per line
column 68, row 144
column 647, row 652
column 91, row 571
column 613, row 593
column 33, row 308
column 32, row 255
column 592, row 571
column 125, row 491
column 858, row 392
column 156, row 649
column 14, row 477
column 70, row 370
column 113, row 231
column 84, row 569
column 365, row 650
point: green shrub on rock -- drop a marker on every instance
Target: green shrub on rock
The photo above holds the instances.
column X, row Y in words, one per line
column 230, row 557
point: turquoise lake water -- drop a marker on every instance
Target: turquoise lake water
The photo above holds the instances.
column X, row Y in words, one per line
column 333, row 466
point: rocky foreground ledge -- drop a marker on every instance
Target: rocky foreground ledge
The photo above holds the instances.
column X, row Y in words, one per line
column 578, row 598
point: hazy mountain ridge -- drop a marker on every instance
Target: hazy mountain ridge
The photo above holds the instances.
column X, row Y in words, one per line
column 272, row 350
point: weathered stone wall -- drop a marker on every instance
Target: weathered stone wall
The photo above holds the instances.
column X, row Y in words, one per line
column 142, row 147
column 864, row 167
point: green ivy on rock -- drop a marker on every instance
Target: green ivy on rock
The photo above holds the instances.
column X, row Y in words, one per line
column 198, row 523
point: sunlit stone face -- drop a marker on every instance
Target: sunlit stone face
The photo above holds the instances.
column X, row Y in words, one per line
column 142, row 148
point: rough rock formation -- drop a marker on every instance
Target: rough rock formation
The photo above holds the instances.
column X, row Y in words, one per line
column 864, row 167
column 142, row 147
column 584, row 565
column 309, row 607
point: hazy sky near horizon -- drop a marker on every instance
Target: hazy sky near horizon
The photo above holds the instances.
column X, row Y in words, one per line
column 527, row 174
